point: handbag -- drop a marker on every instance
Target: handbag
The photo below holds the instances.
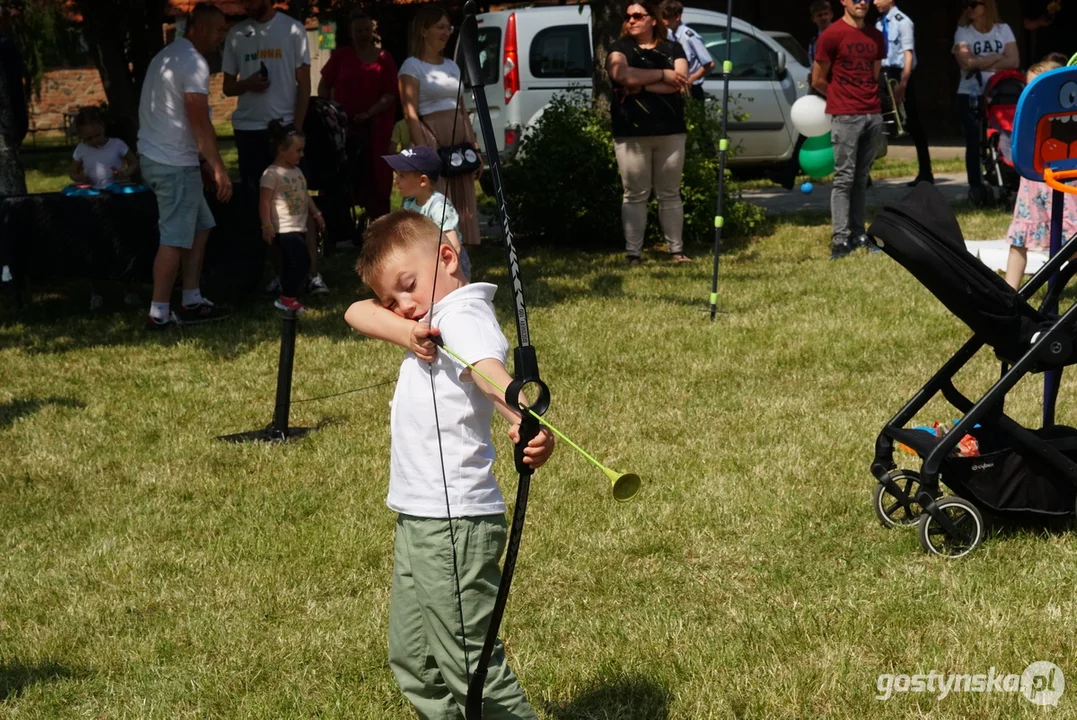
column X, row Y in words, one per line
column 458, row 159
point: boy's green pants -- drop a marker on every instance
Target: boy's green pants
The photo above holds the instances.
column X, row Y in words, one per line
column 425, row 649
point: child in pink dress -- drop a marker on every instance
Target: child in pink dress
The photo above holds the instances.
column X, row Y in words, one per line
column 1031, row 224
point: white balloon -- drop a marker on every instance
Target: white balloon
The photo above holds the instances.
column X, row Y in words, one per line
column 809, row 116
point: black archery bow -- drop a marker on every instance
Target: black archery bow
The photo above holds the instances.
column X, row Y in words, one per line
column 525, row 362
column 525, row 374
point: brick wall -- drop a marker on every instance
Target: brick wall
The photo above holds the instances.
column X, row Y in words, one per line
column 64, row 91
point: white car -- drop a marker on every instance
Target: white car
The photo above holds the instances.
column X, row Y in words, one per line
column 528, row 55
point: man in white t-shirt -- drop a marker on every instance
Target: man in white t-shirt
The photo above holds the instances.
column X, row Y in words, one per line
column 174, row 129
column 266, row 64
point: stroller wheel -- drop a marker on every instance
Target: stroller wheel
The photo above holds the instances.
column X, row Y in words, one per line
column 964, row 517
column 898, row 507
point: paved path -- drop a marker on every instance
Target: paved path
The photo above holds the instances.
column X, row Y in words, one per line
column 778, row 200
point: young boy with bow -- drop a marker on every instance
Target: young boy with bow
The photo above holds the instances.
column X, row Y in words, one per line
column 451, row 528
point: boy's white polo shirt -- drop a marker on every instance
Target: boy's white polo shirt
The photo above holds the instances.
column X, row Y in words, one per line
column 468, row 326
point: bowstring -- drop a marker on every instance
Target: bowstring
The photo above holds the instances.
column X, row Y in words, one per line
column 433, row 391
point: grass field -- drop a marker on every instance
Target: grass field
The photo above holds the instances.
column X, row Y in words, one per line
column 151, row 571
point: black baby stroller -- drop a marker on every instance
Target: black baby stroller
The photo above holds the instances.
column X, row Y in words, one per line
column 997, row 111
column 327, row 166
column 1020, row 473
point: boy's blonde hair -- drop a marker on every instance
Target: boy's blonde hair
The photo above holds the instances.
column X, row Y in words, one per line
column 398, row 231
column 1042, row 67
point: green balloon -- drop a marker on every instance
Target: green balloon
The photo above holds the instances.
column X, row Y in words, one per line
column 817, row 163
column 818, row 142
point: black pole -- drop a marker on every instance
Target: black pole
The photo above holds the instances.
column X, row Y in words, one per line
column 284, row 373
column 1052, row 379
column 279, row 430
column 723, row 146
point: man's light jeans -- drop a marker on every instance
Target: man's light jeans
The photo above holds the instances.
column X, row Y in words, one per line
column 856, row 140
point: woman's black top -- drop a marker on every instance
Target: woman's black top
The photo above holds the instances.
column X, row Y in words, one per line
column 646, row 113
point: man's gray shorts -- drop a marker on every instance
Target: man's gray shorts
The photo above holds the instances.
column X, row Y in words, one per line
column 181, row 206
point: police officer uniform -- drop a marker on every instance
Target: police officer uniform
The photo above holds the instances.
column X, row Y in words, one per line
column 696, row 52
column 897, row 30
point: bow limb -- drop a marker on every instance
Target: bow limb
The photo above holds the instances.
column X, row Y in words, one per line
column 525, row 362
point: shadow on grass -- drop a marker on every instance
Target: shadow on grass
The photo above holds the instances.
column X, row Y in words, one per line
column 19, row 408
column 635, row 697
column 15, row 676
column 56, row 321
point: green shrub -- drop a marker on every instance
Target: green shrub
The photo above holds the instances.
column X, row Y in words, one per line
column 565, row 188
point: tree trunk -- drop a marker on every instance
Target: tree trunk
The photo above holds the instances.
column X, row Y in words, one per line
column 147, row 38
column 605, row 29
column 12, row 176
column 106, row 25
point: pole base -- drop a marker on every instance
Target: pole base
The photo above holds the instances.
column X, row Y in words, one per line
column 267, row 434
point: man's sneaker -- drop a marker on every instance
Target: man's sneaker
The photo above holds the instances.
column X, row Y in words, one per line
column 317, row 286
column 273, row 288
column 839, row 250
column 153, row 323
column 287, row 303
column 204, row 311
column 863, row 240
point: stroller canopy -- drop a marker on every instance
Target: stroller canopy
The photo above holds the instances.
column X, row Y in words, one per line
column 921, row 233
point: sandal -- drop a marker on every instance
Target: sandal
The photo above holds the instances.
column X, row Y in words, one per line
column 679, row 258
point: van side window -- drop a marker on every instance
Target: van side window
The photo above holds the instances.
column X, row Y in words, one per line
column 489, row 56
column 752, row 59
column 562, row 51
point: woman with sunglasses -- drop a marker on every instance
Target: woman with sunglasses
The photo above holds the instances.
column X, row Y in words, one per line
column 981, row 46
column 650, row 76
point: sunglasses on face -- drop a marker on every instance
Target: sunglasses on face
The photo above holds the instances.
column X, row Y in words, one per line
column 636, row 16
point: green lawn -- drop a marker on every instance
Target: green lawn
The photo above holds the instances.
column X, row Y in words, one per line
column 153, row 571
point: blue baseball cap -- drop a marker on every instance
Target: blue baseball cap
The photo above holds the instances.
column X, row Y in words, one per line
column 416, row 159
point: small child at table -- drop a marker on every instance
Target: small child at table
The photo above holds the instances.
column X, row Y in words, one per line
column 100, row 160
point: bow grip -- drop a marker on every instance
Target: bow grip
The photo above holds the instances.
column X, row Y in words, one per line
column 526, row 373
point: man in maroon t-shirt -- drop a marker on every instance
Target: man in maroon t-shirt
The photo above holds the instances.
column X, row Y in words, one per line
column 850, row 53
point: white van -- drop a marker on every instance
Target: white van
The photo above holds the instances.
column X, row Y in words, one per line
column 528, row 55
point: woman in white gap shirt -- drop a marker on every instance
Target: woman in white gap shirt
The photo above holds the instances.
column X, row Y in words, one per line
column 981, row 46
column 433, row 108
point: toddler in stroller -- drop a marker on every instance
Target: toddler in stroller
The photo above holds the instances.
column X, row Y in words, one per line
column 1019, row 473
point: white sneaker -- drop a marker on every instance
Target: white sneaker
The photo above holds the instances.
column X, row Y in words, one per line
column 273, row 288
column 317, row 286
column 96, row 303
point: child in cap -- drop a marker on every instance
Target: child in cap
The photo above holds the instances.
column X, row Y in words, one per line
column 417, row 171
column 451, row 528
